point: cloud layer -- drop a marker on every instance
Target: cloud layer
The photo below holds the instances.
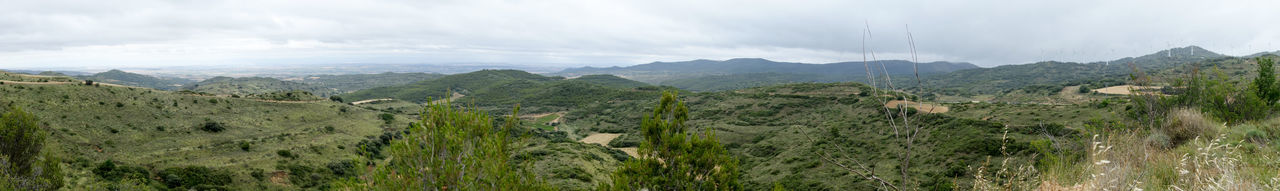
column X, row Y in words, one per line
column 35, row 34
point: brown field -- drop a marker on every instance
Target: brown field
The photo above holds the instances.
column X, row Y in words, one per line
column 604, row 138
column 1126, row 89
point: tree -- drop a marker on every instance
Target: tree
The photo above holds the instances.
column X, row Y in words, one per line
column 20, row 139
column 671, row 159
column 335, row 99
column 449, row 149
column 1265, row 85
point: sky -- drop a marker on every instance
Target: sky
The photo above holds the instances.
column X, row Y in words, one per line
column 573, row 33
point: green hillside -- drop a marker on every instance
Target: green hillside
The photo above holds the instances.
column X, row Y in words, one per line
column 137, row 80
column 256, row 85
column 260, row 145
column 1003, row 79
column 769, row 130
column 504, row 88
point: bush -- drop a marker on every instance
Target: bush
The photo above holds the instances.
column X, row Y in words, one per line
column 245, row 146
column 387, row 117
column 108, row 170
column 286, row 154
column 21, row 139
column 213, row 127
column 1186, row 124
column 195, row 177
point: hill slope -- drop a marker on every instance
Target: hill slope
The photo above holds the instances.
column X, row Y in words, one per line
column 1006, row 78
column 778, row 132
column 256, row 85
column 505, row 88
column 137, row 80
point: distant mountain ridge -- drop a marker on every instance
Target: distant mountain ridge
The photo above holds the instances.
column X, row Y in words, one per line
column 1005, row 78
column 704, row 67
column 692, row 74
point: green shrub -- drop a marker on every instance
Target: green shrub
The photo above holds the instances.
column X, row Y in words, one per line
column 461, row 147
column 244, row 145
column 21, row 140
column 674, row 160
column 286, row 154
column 212, row 127
column 195, row 177
column 108, row 170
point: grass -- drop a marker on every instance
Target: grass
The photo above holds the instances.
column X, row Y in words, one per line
column 766, row 129
column 159, row 129
column 541, row 122
column 1235, row 159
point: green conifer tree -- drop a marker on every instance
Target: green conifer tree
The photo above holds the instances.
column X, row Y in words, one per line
column 671, row 159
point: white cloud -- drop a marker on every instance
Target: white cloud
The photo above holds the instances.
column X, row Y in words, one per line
column 573, row 33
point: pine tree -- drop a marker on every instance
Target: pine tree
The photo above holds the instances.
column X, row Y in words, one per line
column 671, row 159
column 449, row 149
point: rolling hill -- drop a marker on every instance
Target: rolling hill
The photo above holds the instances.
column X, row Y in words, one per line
column 505, row 88
column 135, row 138
column 256, row 85
column 1002, row 79
column 137, row 80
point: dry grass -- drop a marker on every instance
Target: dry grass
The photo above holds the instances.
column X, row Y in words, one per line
column 1186, row 124
column 1120, row 161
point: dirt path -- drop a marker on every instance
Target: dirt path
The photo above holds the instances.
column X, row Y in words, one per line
column 604, row 138
column 370, row 101
column 927, row 108
column 453, row 97
column 1071, row 93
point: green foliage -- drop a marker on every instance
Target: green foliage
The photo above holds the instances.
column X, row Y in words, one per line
column 318, row 177
column 293, row 95
column 212, row 126
column 286, row 154
column 21, row 139
column 1265, row 84
column 460, row 147
column 195, row 177
column 109, row 170
column 21, row 164
column 670, row 159
column 1218, row 95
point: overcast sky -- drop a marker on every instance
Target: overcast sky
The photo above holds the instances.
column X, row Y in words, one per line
column 42, row 34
